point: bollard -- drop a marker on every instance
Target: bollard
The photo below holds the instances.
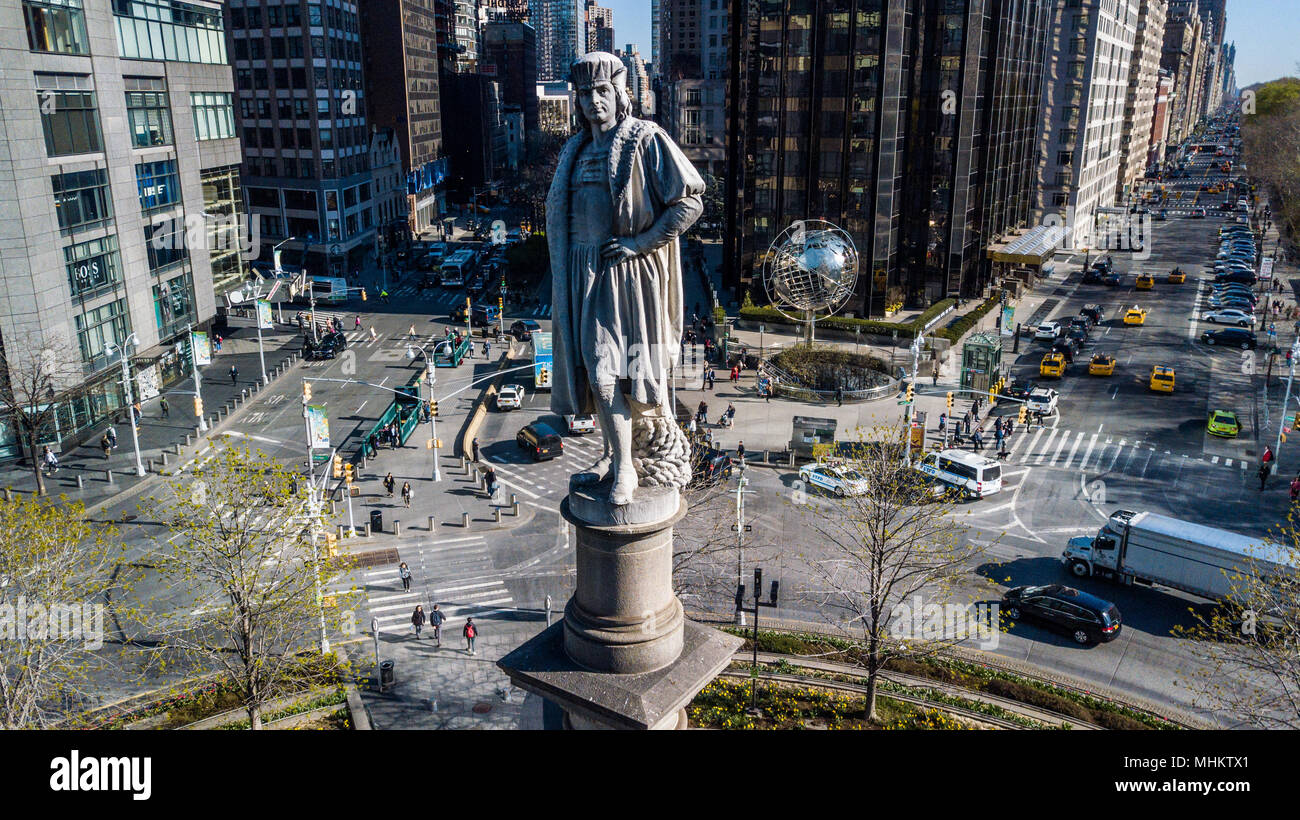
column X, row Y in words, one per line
column 108, row 476
column 189, row 439
column 80, row 485
column 363, row 460
column 765, row 456
column 164, row 458
column 431, row 523
column 176, row 449
column 9, row 494
column 365, row 528
column 341, row 528
column 397, row 526
column 514, row 500
column 792, row 458
column 464, row 520
column 333, row 509
column 496, row 513
column 514, row 508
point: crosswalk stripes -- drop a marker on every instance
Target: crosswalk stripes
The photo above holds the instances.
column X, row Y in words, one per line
column 1083, row 451
column 457, row 574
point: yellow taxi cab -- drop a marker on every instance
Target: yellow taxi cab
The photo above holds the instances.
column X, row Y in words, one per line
column 1162, row 379
column 1145, row 281
column 1176, row 277
column 1101, row 365
column 1135, row 316
column 1053, row 365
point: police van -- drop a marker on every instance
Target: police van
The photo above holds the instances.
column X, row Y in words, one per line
column 974, row 475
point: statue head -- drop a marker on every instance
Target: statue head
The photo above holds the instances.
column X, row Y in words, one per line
column 600, row 84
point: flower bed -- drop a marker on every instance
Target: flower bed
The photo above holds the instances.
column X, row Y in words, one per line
column 724, row 704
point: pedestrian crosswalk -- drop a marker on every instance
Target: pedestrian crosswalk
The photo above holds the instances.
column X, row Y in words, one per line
column 550, row 478
column 442, row 300
column 1096, row 452
column 457, row 574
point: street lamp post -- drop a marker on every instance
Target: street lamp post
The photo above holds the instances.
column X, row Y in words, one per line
column 198, row 385
column 433, row 417
column 758, row 602
column 740, row 527
column 1281, row 423
column 128, row 394
column 314, row 504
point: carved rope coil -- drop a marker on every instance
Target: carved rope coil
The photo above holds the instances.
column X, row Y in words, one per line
column 661, row 453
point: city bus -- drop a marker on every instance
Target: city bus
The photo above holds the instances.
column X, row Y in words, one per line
column 457, row 268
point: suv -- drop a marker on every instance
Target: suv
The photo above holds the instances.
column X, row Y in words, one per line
column 1042, row 400
column 1068, row 348
column 1084, row 617
column 1094, row 313
column 329, row 346
column 541, row 440
column 1048, row 330
column 523, row 329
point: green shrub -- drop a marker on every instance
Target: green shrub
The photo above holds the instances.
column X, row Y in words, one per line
column 958, row 328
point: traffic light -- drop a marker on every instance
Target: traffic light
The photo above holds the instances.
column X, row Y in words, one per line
column 910, row 391
column 347, row 473
column 363, row 294
column 337, row 464
column 198, row 407
column 1024, row 414
column 433, row 406
column 332, row 544
column 306, row 392
column 950, row 399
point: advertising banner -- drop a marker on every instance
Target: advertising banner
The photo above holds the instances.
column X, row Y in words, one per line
column 202, row 347
column 264, row 315
column 318, row 425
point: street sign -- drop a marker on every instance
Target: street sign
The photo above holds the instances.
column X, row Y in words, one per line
column 904, row 401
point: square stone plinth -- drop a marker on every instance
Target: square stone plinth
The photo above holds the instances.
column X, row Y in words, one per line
column 638, row 701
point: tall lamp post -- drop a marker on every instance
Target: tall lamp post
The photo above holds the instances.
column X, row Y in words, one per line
column 758, row 602
column 433, row 405
column 741, row 528
column 128, row 393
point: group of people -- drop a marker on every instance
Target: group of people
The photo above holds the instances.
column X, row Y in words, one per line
column 436, row 619
column 1002, row 429
column 390, row 483
column 702, row 416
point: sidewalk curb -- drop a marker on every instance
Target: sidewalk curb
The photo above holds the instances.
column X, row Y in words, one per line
column 476, row 416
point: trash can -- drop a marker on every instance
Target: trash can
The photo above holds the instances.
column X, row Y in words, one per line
column 387, row 674
column 376, row 521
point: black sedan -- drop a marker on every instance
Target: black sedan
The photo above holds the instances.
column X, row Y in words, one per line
column 1084, row 617
column 1230, row 336
column 1019, row 389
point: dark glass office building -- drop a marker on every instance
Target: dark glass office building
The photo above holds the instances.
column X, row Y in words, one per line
column 909, row 123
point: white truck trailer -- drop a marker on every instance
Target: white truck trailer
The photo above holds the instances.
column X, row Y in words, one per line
column 1146, row 548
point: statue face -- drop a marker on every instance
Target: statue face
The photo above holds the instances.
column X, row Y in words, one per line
column 599, row 103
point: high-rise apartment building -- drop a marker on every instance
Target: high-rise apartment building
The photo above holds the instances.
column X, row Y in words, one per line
column 1183, row 57
column 510, row 57
column 555, row 108
column 1159, row 139
column 1143, row 87
column 1089, row 56
column 919, row 144
column 400, row 48
column 638, row 82
column 515, row 11
column 692, row 98
column 302, row 117
column 600, row 28
column 561, row 35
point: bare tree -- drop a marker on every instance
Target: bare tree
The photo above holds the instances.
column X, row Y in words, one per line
column 1249, row 648
column 56, row 572
column 881, row 548
column 34, row 367
column 240, row 549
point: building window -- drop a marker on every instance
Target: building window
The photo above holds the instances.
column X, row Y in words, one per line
column 173, row 304
column 214, row 116
column 100, row 326
column 148, row 117
column 82, row 199
column 158, row 183
column 91, row 266
column 223, row 209
column 164, row 242
column 57, row 26
column 70, row 122
column 169, row 30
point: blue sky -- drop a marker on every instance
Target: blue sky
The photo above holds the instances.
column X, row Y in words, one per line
column 1267, row 33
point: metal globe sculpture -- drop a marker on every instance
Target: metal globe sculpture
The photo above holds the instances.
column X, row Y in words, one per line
column 811, row 266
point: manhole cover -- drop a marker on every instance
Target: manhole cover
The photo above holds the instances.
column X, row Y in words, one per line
column 482, row 708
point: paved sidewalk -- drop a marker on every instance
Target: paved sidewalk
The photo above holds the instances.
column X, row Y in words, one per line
column 158, row 434
column 467, row 689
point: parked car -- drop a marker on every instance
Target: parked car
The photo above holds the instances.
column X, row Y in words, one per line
column 708, row 467
column 1231, row 336
column 1229, row 316
column 523, row 329
column 1083, row 616
column 1019, row 389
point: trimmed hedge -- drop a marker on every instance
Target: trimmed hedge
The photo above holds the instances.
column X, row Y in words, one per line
column 906, row 330
column 958, row 328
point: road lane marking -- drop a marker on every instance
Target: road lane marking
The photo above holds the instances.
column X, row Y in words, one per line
column 1047, row 445
column 1092, row 442
column 1060, row 448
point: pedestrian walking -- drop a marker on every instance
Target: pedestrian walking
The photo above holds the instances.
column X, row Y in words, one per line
column 740, row 452
column 1263, row 474
column 1266, row 458
column 105, row 446
column 839, row 396
column 735, row 374
column 1038, row 417
column 731, row 411
column 406, row 494
column 51, row 461
column 417, row 620
column 976, row 408
column 137, row 413
column 112, row 436
column 702, row 413
column 389, row 484
column 404, row 572
column 997, row 435
column 691, row 427
column 234, row 373
column 474, row 450
column 373, row 336
column 934, row 374
column 487, row 349
column 357, row 324
column 436, row 619
column 383, row 294
column 490, row 482
column 470, row 632
column 966, row 422
column 216, row 342
column 410, row 332
column 163, row 406
column 1295, row 488
column 943, row 422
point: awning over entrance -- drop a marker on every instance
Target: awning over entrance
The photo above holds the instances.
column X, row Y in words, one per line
column 1034, row 247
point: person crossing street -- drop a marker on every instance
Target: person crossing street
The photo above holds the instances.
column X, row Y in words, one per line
column 417, row 620
column 436, row 619
column 470, row 632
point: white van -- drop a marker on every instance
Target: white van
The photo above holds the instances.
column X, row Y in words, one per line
column 973, row 474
